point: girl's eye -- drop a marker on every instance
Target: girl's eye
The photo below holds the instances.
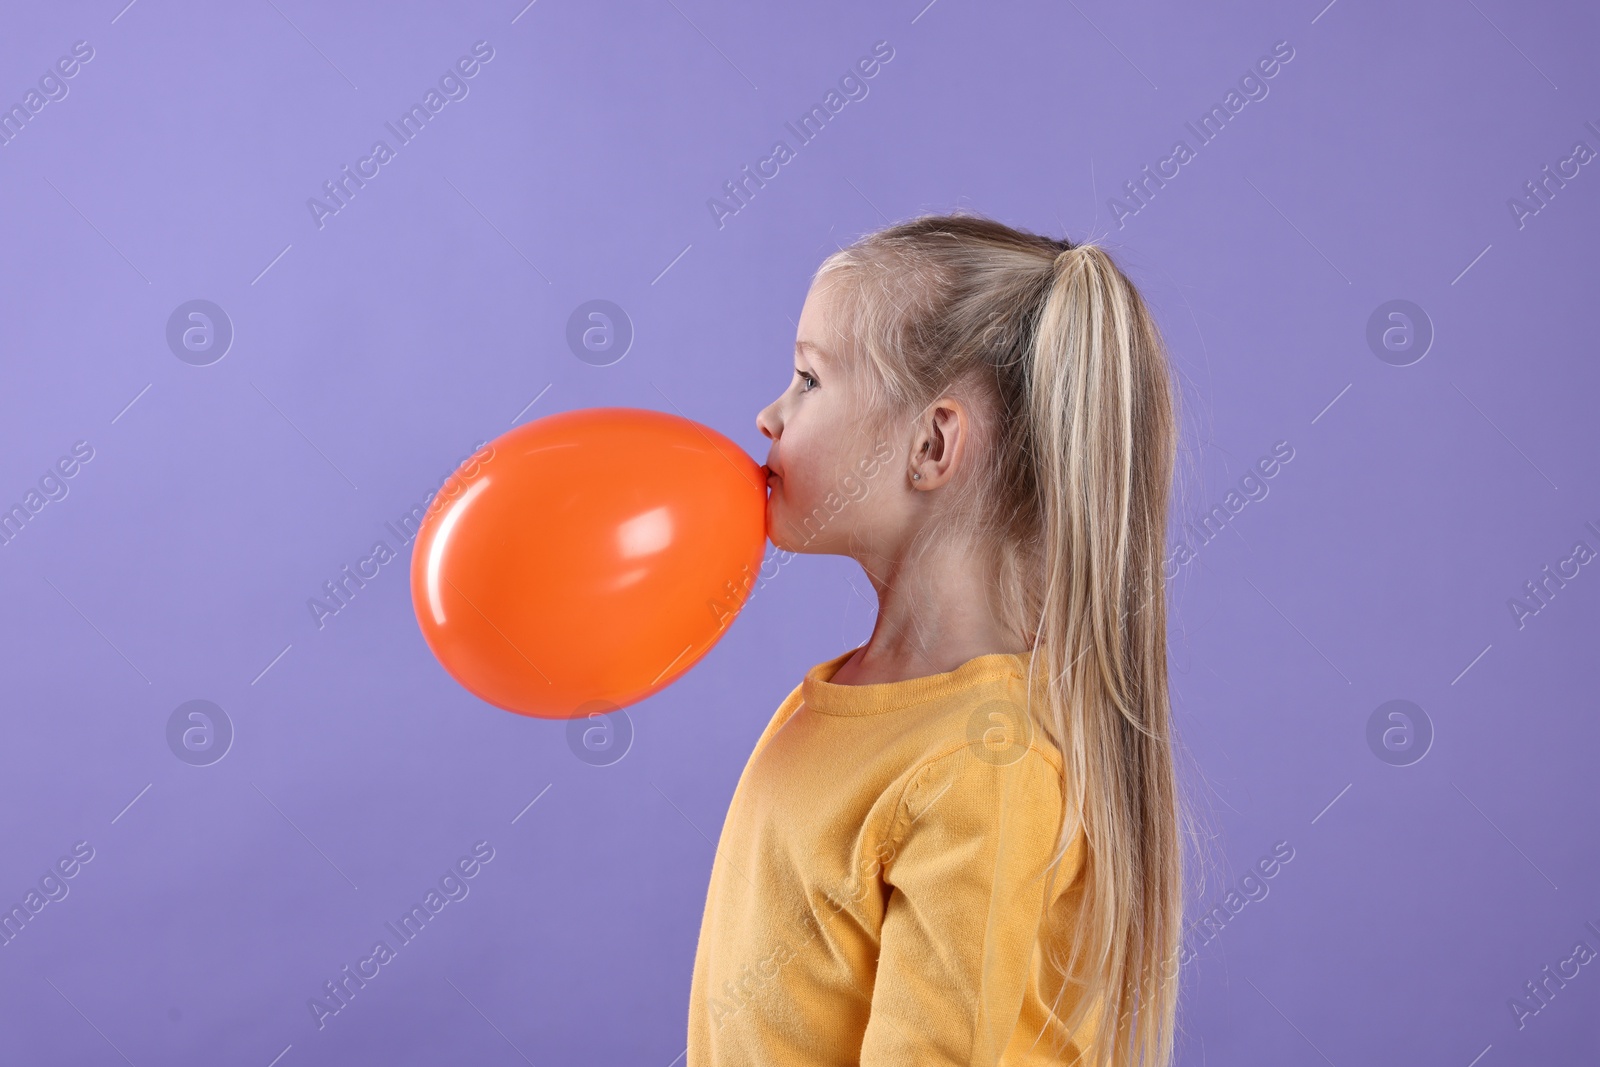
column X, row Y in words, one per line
column 805, row 376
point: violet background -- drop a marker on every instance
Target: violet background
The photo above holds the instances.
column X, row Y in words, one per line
column 431, row 313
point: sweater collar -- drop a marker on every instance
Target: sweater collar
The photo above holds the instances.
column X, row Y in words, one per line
column 822, row 695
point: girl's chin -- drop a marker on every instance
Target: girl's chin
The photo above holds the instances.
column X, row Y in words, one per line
column 777, row 524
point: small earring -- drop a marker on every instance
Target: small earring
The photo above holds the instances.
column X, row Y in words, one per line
column 916, row 477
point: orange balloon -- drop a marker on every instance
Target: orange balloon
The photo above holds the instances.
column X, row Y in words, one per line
column 584, row 561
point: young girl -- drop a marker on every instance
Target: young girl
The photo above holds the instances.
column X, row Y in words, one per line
column 958, row 843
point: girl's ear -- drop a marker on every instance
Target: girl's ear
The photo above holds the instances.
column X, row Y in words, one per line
column 942, row 441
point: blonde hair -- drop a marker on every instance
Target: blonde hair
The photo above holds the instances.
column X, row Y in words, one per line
column 1075, row 436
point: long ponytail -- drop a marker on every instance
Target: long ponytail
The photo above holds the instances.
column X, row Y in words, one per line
column 1104, row 428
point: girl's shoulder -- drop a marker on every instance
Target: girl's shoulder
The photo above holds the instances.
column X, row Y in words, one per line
column 984, row 754
column 995, row 721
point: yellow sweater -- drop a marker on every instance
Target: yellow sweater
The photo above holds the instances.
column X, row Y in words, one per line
column 877, row 890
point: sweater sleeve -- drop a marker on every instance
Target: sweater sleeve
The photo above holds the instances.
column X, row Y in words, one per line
column 967, row 870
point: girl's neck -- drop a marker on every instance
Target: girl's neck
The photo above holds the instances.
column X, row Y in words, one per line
column 934, row 614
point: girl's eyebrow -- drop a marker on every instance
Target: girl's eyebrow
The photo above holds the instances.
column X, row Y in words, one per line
column 815, row 351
